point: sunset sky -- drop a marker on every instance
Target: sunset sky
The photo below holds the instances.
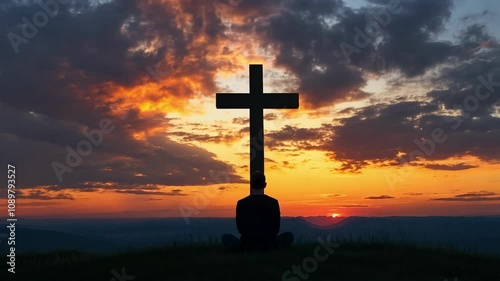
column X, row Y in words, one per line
column 150, row 71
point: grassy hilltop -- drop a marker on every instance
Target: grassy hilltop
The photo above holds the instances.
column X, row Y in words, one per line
column 350, row 261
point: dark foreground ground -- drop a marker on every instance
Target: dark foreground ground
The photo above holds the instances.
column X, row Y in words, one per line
column 350, row 261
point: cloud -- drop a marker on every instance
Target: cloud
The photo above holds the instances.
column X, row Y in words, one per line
column 472, row 196
column 203, row 138
column 119, row 159
column 147, row 192
column 450, row 167
column 241, row 120
column 270, row 116
column 40, row 194
column 408, row 43
column 153, row 199
column 295, row 137
column 406, row 46
column 414, row 193
column 468, row 199
column 477, row 194
column 289, row 165
column 476, row 16
column 354, row 206
column 330, row 195
column 380, row 197
column 305, row 38
column 89, row 63
column 221, row 188
column 396, row 131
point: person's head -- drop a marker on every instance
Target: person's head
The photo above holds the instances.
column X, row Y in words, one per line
column 258, row 180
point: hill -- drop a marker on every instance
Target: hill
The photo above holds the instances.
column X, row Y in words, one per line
column 312, row 261
column 40, row 240
column 476, row 233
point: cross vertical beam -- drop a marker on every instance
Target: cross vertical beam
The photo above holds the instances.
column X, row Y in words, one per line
column 256, row 119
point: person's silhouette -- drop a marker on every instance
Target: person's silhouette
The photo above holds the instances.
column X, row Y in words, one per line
column 258, row 221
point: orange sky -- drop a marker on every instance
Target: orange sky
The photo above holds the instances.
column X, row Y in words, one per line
column 174, row 102
column 307, row 185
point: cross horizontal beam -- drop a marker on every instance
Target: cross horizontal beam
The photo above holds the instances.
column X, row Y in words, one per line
column 240, row 101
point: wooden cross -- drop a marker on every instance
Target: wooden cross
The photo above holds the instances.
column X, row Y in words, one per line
column 256, row 101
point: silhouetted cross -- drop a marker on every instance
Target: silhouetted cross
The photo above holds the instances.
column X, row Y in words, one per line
column 256, row 101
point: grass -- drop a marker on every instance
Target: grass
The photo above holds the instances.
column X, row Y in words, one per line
column 351, row 261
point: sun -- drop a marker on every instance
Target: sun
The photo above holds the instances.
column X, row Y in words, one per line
column 336, row 215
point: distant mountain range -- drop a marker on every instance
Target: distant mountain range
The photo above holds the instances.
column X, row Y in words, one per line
column 111, row 235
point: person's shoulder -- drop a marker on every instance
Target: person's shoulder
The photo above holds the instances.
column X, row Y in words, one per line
column 244, row 199
column 272, row 198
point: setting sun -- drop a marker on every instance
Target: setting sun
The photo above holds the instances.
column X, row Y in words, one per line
column 336, row 215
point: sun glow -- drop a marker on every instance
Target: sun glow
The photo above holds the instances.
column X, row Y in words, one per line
column 336, row 215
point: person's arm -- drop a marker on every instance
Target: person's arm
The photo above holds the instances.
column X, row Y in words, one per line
column 239, row 223
column 277, row 218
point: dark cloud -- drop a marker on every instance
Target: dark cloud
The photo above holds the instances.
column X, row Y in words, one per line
column 306, row 37
column 219, row 138
column 79, row 65
column 414, row 193
column 300, row 39
column 298, row 138
column 408, row 43
column 309, row 48
column 118, row 159
column 472, row 87
column 147, row 192
column 451, row 167
column 380, row 197
column 376, row 133
column 241, row 120
column 221, row 188
column 468, row 199
column 351, row 166
column 288, row 165
column 42, row 194
column 269, row 160
column 270, row 116
column 395, row 133
column 86, row 48
column 477, row 194
column 476, row 16
column 472, row 196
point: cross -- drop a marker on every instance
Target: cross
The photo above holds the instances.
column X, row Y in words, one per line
column 256, row 101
